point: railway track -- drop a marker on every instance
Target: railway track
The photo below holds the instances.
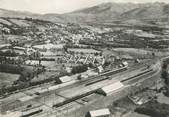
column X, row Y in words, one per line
column 136, row 76
column 97, row 79
column 75, row 99
column 78, row 97
column 104, row 76
column 90, row 79
column 82, row 81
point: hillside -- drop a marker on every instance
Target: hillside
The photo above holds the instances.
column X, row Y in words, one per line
column 103, row 13
column 109, row 12
column 11, row 13
column 149, row 11
column 100, row 13
column 114, row 11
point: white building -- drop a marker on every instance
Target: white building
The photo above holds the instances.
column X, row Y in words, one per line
column 63, row 79
column 99, row 113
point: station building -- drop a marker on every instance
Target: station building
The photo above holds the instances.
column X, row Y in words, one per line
column 99, row 113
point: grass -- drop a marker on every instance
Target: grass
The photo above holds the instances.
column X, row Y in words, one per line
column 7, row 78
column 141, row 52
column 5, row 22
column 132, row 50
column 19, row 22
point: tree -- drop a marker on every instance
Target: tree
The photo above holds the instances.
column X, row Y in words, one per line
column 165, row 76
column 79, row 77
column 166, row 10
column 3, row 88
column 79, row 69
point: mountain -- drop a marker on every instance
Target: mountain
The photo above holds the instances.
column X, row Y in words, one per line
column 121, row 11
column 53, row 18
column 11, row 13
column 100, row 13
column 103, row 13
column 148, row 11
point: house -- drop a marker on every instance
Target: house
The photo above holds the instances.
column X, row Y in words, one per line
column 125, row 63
column 63, row 79
column 100, row 68
column 30, row 51
column 99, row 113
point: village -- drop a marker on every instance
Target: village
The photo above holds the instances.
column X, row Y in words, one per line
column 46, row 66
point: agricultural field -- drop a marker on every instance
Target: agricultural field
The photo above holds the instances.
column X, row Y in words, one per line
column 5, row 22
column 7, row 78
column 141, row 52
column 19, row 22
column 132, row 51
column 83, row 50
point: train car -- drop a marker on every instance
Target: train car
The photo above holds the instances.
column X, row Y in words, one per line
column 118, row 70
column 31, row 112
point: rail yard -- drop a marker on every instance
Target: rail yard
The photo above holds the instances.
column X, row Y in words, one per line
column 49, row 99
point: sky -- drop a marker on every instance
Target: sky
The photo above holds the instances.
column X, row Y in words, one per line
column 58, row 6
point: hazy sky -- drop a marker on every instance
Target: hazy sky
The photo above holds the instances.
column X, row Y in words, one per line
column 58, row 6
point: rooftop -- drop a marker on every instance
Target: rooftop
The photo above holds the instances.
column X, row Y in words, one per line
column 98, row 113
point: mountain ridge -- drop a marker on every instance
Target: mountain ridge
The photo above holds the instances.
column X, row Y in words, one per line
column 105, row 12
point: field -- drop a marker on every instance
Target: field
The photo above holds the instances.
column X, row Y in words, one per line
column 83, row 50
column 48, row 46
column 7, row 78
column 163, row 99
column 5, row 22
column 136, row 115
column 19, row 22
column 48, row 64
column 134, row 51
